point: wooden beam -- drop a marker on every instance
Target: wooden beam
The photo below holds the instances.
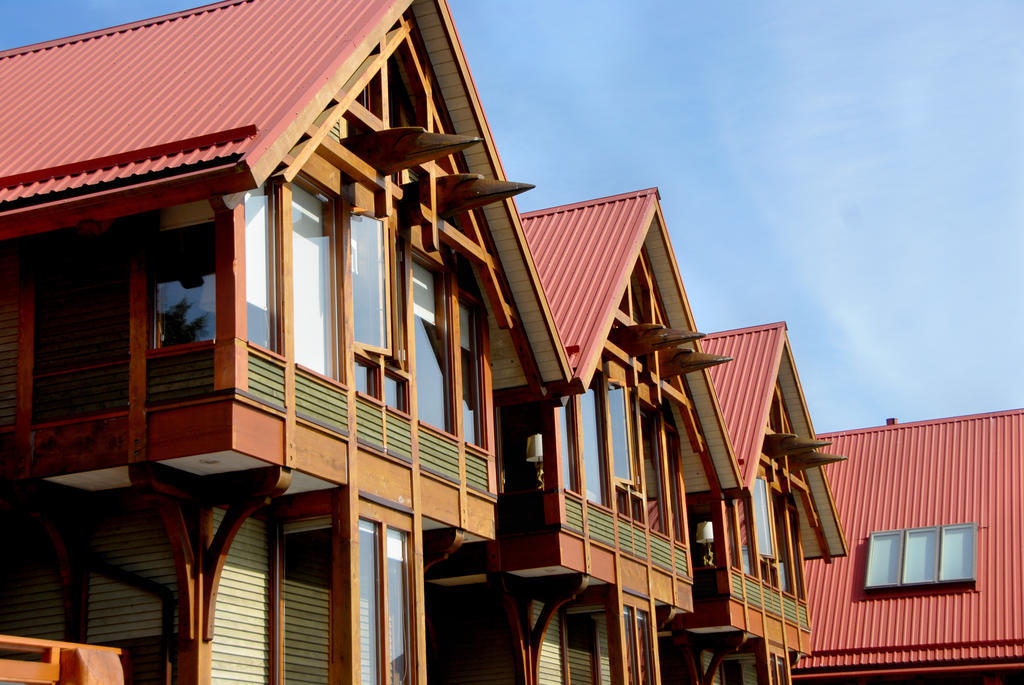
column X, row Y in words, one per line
column 394, row 149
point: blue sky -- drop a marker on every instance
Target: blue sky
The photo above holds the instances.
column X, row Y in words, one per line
column 856, row 169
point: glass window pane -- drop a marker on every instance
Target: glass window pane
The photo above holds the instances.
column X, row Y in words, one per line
column 957, row 553
column 394, row 393
column 620, row 441
column 398, row 608
column 919, row 556
column 630, row 630
column 565, row 439
column 369, row 271
column 884, row 559
column 186, row 287
column 259, row 269
column 761, row 518
column 311, row 300
column 470, row 382
column 369, row 608
column 646, row 654
column 594, row 473
column 430, row 347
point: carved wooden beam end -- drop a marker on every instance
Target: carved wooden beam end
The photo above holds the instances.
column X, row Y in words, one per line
column 394, row 149
column 687, row 361
column 808, row 460
column 778, row 444
column 457, row 193
column 644, row 338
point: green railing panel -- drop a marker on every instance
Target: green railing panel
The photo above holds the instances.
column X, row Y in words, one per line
column 266, row 379
column 439, row 454
column 737, row 584
column 179, row 377
column 804, row 620
column 399, row 435
column 369, row 422
column 753, row 589
column 682, row 566
column 574, row 514
column 602, row 526
column 476, row 470
column 789, row 609
column 661, row 552
column 321, row 402
column 640, row 542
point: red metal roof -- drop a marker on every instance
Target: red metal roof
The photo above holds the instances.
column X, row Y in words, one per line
column 220, row 82
column 584, row 253
column 745, row 385
column 957, row 470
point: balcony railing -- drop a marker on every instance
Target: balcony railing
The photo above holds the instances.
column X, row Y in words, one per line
column 49, row 663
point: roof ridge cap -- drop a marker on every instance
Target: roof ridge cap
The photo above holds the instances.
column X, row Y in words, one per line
column 928, row 422
column 120, row 28
column 777, row 325
column 572, row 206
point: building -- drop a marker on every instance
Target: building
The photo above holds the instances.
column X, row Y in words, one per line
column 781, row 514
column 261, row 283
column 283, row 399
column 932, row 589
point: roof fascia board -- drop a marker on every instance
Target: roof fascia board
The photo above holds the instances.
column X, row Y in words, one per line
column 826, row 509
column 549, row 338
column 272, row 145
column 588, row 367
column 116, row 202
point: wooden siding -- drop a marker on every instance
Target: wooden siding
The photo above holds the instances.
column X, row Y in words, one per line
column 580, row 656
column 369, row 422
column 476, row 644
column 439, row 454
column 179, row 377
column 31, row 601
column 134, row 542
column 266, row 379
column 80, row 392
column 84, row 326
column 399, row 435
column 602, row 645
column 123, row 615
column 305, row 592
column 550, row 666
column 8, row 334
column 240, row 639
column 320, row 402
column 753, row 591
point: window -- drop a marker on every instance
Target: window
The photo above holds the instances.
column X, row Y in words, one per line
column 652, row 471
column 762, row 521
column 675, row 470
column 313, row 293
column 468, row 344
column 617, row 425
column 306, row 600
column 566, row 444
column 431, row 346
column 186, row 288
column 369, row 281
column 593, row 468
column 639, row 656
column 260, row 270
column 384, row 595
column 938, row 554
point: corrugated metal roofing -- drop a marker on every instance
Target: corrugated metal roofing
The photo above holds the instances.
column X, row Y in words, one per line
column 584, row 254
column 745, row 385
column 957, row 470
column 169, row 92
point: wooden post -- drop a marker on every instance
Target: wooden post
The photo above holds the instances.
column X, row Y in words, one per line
column 231, row 367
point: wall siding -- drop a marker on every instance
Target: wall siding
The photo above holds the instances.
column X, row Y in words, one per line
column 240, row 639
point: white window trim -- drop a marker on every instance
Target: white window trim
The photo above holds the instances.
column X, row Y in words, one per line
column 973, row 577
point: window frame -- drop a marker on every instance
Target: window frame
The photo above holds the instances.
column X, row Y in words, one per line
column 382, row 598
column 271, row 190
column 156, row 316
column 334, row 333
column 903, row 534
column 442, row 321
column 390, row 268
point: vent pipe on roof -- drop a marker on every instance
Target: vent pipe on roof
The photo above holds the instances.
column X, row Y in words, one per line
column 891, row 421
